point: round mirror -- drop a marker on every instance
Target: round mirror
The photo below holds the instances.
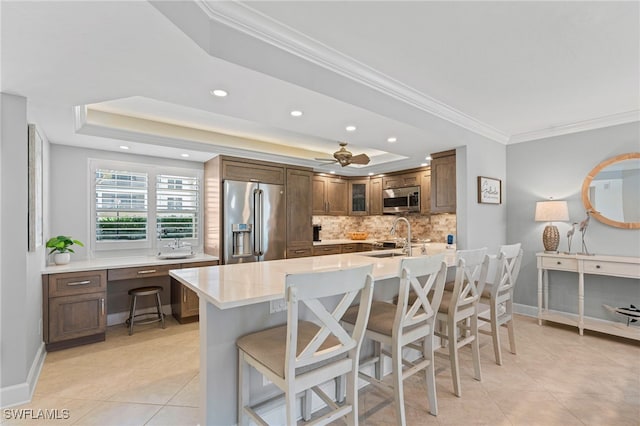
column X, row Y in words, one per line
column 611, row 191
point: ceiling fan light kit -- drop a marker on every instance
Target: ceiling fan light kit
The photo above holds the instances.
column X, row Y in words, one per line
column 345, row 157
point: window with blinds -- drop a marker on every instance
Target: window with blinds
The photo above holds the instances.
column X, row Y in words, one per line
column 177, row 206
column 121, row 205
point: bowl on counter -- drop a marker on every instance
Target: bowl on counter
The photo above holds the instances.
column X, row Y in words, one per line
column 358, row 235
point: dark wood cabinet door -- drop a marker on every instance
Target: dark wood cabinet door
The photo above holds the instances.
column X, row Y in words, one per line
column 299, row 208
column 191, row 302
column 443, row 182
column 338, row 197
column 375, row 196
column 425, row 192
column 76, row 316
column 319, row 195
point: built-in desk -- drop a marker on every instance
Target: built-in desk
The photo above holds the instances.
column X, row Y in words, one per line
column 614, row 266
column 75, row 296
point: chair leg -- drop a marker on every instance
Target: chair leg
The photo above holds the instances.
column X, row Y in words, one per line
column 340, row 389
column 159, row 308
column 452, row 342
column 290, row 404
column 132, row 315
column 495, row 334
column 352, row 396
column 243, row 389
column 379, row 365
column 398, row 389
column 306, row 405
column 430, row 372
column 475, row 348
column 512, row 336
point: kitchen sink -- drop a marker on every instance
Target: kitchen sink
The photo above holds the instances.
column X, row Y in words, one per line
column 381, row 255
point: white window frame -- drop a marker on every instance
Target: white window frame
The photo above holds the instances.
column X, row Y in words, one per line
column 152, row 244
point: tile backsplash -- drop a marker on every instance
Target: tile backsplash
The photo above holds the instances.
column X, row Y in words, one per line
column 435, row 227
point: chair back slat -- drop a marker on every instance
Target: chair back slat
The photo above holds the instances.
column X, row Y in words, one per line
column 421, row 275
column 471, row 273
column 309, row 289
column 507, row 269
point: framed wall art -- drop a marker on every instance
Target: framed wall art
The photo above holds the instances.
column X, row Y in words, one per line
column 35, row 188
column 489, row 190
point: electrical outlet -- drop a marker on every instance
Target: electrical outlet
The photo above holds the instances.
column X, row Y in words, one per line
column 277, row 306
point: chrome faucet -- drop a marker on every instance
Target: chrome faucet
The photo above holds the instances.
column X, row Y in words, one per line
column 407, row 248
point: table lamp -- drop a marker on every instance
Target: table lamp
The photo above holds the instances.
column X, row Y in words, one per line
column 551, row 211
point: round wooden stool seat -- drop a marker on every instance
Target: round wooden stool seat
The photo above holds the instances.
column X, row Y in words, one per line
column 134, row 293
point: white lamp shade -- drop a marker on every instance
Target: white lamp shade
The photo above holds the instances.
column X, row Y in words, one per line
column 552, row 211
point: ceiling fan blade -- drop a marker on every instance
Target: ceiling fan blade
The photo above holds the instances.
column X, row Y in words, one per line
column 360, row 159
column 328, row 160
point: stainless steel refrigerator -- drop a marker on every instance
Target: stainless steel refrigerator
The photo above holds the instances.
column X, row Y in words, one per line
column 254, row 222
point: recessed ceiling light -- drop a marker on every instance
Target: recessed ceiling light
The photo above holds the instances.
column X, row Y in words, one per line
column 428, row 158
column 124, row 147
column 296, row 113
column 370, row 173
column 392, row 140
column 219, row 92
column 333, row 172
column 350, row 128
column 185, row 155
column 424, row 165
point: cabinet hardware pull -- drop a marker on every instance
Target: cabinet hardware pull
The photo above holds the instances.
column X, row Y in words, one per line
column 184, row 295
column 298, row 251
column 559, row 263
column 148, row 271
column 102, row 303
column 597, row 266
column 80, row 282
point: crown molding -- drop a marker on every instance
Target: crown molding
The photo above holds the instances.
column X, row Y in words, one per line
column 251, row 22
column 578, row 126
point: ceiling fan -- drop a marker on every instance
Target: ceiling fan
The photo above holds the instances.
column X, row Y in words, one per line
column 344, row 157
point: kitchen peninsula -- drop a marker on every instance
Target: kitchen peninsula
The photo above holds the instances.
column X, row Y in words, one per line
column 244, row 298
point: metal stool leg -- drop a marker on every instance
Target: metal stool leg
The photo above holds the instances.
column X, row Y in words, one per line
column 159, row 306
column 132, row 316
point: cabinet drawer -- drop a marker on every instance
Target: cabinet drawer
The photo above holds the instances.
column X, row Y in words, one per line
column 349, row 248
column 365, row 247
column 199, row 264
column 140, row 272
column 298, row 252
column 560, row 264
column 322, row 250
column 612, row 268
column 77, row 283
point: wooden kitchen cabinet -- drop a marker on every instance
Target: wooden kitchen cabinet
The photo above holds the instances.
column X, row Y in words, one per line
column 358, row 197
column 375, row 196
column 327, row 249
column 74, row 308
column 185, row 304
column 401, row 180
column 330, row 196
column 252, row 172
column 299, row 209
column 425, row 192
column 443, row 182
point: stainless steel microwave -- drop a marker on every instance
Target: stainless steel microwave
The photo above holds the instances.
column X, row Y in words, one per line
column 401, row 200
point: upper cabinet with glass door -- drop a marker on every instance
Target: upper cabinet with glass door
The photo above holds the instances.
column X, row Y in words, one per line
column 611, row 191
column 358, row 197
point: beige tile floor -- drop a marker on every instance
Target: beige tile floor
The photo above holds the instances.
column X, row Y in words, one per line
column 557, row 378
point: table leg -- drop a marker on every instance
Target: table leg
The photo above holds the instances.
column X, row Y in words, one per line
column 539, row 296
column 581, row 303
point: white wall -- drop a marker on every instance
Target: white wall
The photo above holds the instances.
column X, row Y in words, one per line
column 71, row 183
column 22, row 350
column 556, row 167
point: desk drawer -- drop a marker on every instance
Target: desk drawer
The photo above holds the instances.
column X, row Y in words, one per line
column 198, row 264
column 73, row 283
column 560, row 264
column 322, row 250
column 141, row 272
column 615, row 269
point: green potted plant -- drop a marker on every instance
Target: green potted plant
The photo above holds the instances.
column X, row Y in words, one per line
column 61, row 246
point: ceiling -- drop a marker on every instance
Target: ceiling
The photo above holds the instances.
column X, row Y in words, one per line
column 433, row 75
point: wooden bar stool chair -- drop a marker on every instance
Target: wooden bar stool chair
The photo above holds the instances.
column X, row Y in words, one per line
column 496, row 300
column 458, row 312
column 134, row 293
column 302, row 355
column 407, row 325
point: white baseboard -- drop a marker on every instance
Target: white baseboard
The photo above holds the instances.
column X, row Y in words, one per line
column 121, row 317
column 22, row 393
column 527, row 310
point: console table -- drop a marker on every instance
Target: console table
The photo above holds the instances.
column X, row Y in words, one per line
column 614, row 266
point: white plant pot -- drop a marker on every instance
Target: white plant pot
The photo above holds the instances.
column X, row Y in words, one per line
column 61, row 258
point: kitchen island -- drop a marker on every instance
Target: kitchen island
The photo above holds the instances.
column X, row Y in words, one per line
column 244, row 298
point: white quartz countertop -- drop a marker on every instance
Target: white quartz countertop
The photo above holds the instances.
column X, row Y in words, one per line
column 229, row 286
column 123, row 262
column 341, row 241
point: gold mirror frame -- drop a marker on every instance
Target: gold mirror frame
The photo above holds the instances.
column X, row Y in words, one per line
column 585, row 191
